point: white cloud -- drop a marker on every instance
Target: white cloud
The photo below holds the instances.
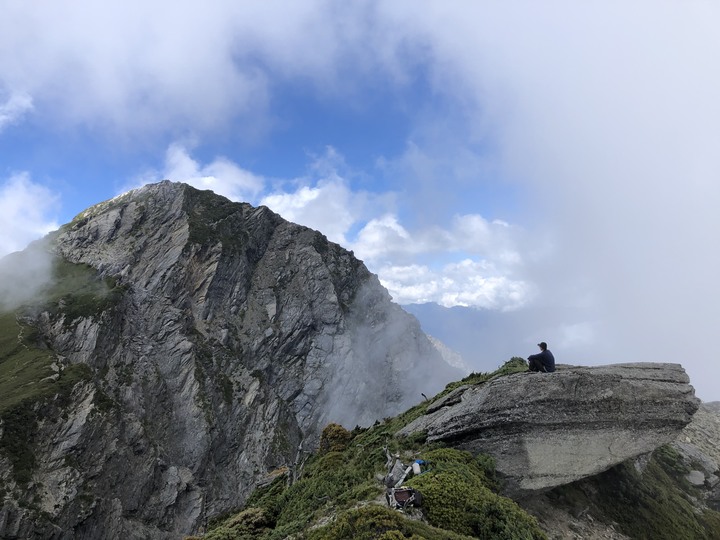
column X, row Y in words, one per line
column 328, row 207
column 26, row 212
column 606, row 115
column 221, row 175
column 324, row 200
column 466, row 283
column 143, row 68
column 385, row 238
column 14, row 108
column 603, row 116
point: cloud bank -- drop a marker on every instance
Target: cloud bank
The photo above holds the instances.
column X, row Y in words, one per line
column 14, row 108
column 564, row 164
column 27, row 211
column 26, row 214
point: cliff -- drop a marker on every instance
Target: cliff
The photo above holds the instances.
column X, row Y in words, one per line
column 550, row 429
column 184, row 347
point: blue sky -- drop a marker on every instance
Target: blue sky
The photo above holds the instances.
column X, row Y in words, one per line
column 558, row 161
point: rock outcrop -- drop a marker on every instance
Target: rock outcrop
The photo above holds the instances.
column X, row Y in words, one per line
column 549, row 429
column 229, row 339
column 699, row 445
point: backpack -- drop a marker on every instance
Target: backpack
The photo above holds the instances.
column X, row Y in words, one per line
column 403, row 497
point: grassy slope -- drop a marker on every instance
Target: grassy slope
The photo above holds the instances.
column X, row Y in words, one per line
column 74, row 291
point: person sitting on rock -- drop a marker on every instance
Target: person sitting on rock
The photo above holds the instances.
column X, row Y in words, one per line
column 542, row 361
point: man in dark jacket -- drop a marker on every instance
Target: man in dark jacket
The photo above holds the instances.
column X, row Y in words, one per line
column 542, row 361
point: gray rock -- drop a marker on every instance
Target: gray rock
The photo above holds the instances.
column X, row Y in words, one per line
column 694, row 457
column 696, row 478
column 549, row 429
column 699, row 440
column 237, row 338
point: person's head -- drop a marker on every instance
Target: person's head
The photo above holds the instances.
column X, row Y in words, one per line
column 543, row 346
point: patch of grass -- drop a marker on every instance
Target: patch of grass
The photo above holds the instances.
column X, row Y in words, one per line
column 28, row 378
column 226, row 387
column 77, row 291
column 23, row 366
column 19, row 424
column 25, row 358
column 213, row 218
column 20, row 419
column 103, row 403
column 514, row 365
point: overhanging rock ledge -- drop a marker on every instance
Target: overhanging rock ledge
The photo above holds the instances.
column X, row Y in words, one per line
column 550, row 429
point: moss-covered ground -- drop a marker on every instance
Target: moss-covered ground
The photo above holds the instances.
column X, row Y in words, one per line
column 212, row 218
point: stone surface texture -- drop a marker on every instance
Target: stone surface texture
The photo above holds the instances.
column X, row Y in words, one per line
column 699, row 446
column 549, row 429
column 238, row 337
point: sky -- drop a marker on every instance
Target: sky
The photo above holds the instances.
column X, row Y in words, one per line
column 556, row 164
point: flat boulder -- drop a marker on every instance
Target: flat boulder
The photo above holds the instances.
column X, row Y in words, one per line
column 550, row 429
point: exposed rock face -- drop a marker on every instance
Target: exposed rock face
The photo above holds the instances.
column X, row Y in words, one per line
column 699, row 444
column 549, row 429
column 238, row 336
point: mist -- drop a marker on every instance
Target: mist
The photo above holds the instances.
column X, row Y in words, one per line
column 24, row 275
column 606, row 120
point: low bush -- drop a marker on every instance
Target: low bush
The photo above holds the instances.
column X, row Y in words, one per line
column 375, row 522
column 334, row 438
column 457, row 496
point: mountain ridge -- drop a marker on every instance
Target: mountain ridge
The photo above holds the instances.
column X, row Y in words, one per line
column 227, row 338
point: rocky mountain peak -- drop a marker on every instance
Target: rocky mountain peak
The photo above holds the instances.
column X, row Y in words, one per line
column 217, row 342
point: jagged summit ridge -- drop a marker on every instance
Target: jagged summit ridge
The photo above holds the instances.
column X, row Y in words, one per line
column 233, row 337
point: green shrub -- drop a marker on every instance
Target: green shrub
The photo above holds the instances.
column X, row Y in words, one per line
column 373, row 522
column 514, row 365
column 19, row 424
column 457, row 497
column 334, row 438
column 332, row 480
column 247, row 525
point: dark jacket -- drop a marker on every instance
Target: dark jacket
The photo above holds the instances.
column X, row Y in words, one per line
column 546, row 358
